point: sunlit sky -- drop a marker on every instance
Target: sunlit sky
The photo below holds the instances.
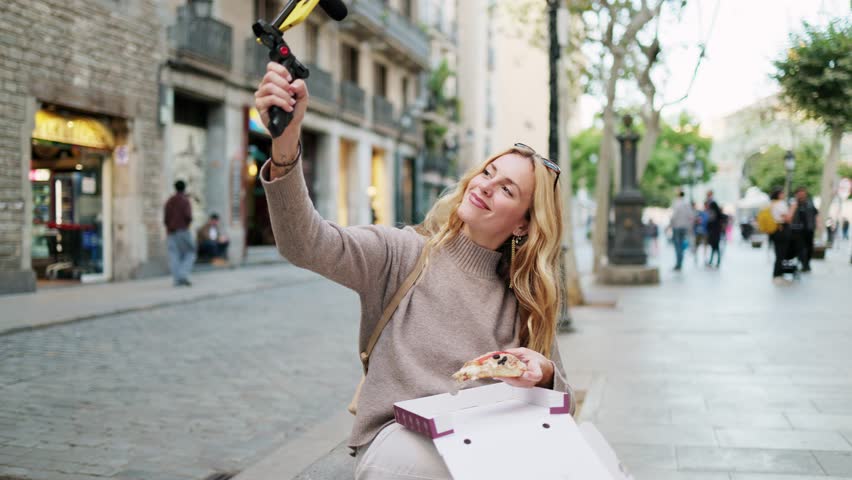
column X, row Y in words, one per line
column 745, row 38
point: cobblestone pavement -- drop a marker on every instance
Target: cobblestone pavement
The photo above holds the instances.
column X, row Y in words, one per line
column 178, row 392
column 722, row 375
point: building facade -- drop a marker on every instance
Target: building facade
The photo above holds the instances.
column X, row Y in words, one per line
column 128, row 96
column 748, row 131
column 81, row 150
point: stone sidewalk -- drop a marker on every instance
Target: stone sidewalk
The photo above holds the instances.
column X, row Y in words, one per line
column 719, row 374
column 51, row 306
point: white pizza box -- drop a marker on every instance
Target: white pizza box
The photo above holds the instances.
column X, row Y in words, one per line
column 500, row 431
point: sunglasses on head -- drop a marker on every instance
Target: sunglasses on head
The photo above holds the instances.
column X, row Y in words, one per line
column 547, row 162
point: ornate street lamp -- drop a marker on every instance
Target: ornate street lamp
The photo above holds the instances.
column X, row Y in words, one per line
column 201, row 8
column 690, row 170
column 789, row 166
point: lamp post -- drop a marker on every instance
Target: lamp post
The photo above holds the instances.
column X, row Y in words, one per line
column 628, row 245
column 201, row 8
column 789, row 166
column 690, row 170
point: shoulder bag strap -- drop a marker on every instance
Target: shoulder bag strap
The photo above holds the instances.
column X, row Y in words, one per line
column 391, row 308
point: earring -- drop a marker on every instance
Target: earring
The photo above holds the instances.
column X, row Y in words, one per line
column 512, row 259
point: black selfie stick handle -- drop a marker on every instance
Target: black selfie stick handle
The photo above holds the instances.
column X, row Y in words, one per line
column 281, row 53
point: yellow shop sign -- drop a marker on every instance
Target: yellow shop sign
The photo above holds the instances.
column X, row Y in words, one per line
column 86, row 132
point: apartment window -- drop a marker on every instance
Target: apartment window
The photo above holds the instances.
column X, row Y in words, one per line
column 349, row 63
column 404, row 92
column 406, row 8
column 381, row 80
column 312, row 43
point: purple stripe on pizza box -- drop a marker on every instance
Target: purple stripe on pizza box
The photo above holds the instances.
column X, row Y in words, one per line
column 566, row 405
column 414, row 422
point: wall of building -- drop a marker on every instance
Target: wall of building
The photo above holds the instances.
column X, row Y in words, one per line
column 92, row 56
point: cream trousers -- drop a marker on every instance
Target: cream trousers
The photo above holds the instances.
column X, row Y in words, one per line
column 399, row 453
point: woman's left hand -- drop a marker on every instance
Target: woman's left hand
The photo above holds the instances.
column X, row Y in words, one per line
column 539, row 369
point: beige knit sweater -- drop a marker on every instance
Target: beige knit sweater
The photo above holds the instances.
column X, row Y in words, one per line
column 459, row 309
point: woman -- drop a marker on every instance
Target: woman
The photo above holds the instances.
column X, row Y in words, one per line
column 462, row 305
column 781, row 239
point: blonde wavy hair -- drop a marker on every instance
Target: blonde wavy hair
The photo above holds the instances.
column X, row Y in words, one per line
column 535, row 273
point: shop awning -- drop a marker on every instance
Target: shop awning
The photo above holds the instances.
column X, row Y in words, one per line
column 255, row 123
column 83, row 131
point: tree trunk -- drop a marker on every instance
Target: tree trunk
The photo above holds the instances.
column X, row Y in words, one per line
column 646, row 146
column 572, row 275
column 829, row 182
column 602, row 184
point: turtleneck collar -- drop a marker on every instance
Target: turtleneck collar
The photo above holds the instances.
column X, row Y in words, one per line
column 472, row 258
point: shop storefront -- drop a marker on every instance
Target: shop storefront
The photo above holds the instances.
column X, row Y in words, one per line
column 258, row 226
column 70, row 178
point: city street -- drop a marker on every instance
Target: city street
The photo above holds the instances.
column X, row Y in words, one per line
column 177, row 392
column 721, row 374
column 710, row 375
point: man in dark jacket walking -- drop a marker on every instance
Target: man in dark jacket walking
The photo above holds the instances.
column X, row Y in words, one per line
column 181, row 245
column 803, row 225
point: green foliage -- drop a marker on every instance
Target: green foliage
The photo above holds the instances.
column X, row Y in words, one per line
column 766, row 170
column 661, row 178
column 844, row 170
column 816, row 73
column 583, row 146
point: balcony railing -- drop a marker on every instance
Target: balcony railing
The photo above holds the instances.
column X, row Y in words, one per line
column 352, row 98
column 435, row 162
column 320, row 84
column 202, row 38
column 408, row 35
column 400, row 29
column 383, row 112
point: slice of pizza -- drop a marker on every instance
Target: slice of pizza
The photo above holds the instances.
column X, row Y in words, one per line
column 490, row 365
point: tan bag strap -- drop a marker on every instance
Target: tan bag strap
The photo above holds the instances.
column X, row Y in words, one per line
column 410, row 280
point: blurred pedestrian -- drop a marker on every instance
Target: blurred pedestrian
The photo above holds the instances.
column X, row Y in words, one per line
column 682, row 219
column 781, row 238
column 845, row 229
column 700, row 231
column 652, row 232
column 802, row 227
column 177, row 216
column 212, row 241
column 715, row 225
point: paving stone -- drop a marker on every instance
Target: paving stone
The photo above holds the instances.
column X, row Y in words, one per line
column 814, row 421
column 732, row 419
column 660, row 474
column 747, row 460
column 759, row 476
column 783, row 439
column 835, row 463
column 657, row 434
column 186, row 385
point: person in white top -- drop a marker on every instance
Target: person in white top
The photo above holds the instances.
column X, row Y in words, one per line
column 683, row 218
column 782, row 214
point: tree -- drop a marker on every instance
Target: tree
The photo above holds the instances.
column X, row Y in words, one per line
column 584, row 153
column 816, row 78
column 765, row 169
column 620, row 22
column 661, row 179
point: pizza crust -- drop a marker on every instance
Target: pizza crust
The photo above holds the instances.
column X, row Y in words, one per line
column 491, row 365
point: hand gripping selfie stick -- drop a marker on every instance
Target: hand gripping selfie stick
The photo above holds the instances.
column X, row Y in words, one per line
column 270, row 35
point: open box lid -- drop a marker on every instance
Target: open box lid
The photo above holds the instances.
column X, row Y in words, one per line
column 502, row 431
